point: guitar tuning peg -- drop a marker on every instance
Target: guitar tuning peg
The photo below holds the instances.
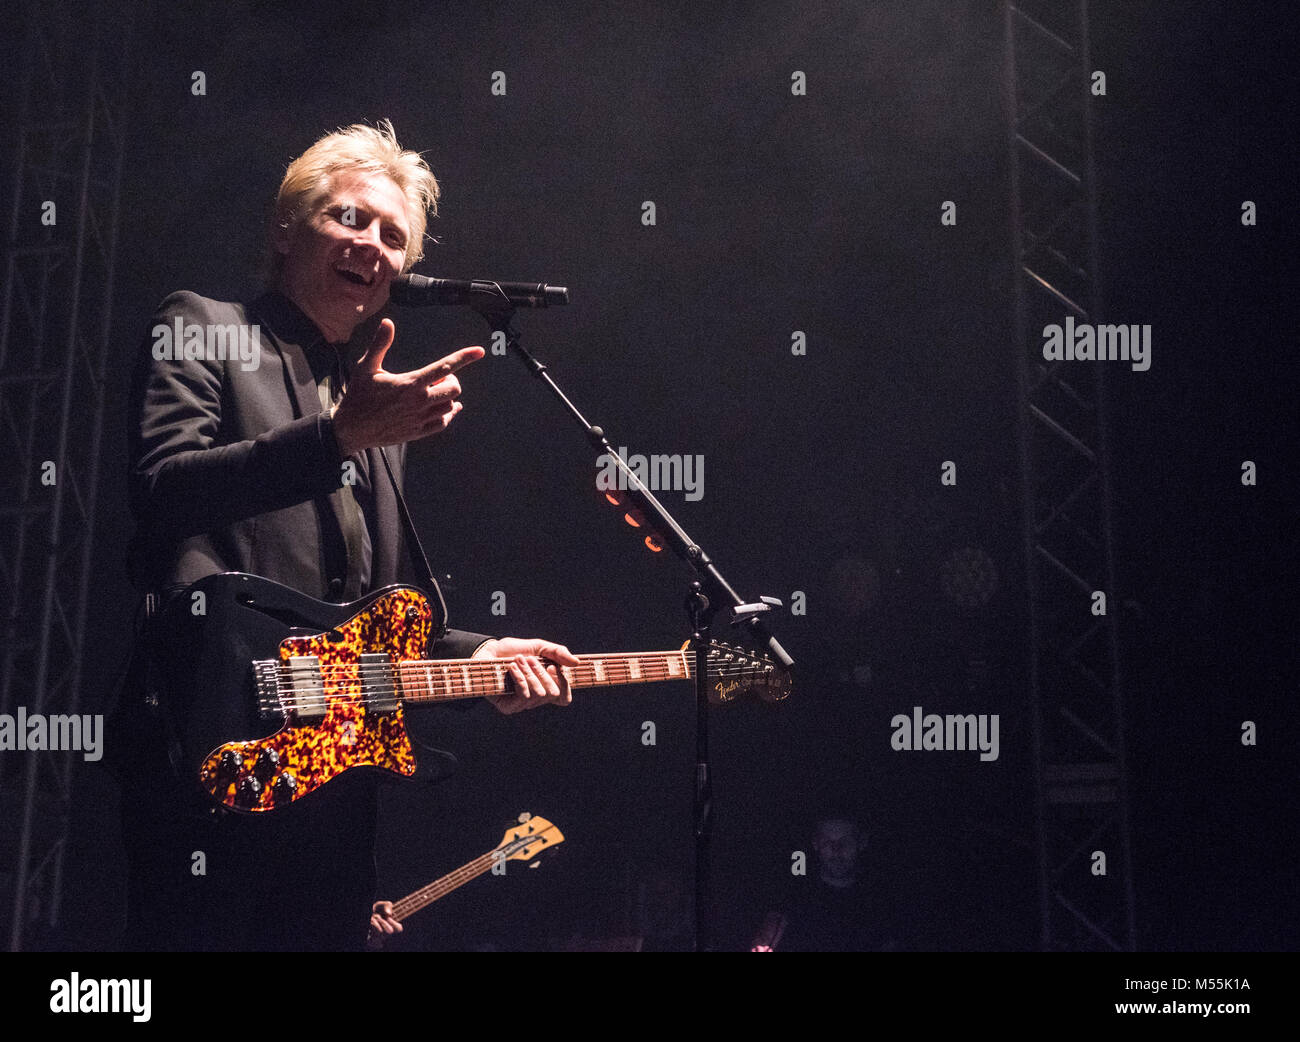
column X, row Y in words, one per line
column 523, row 818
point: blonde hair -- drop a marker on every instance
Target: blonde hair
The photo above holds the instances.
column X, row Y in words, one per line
column 359, row 147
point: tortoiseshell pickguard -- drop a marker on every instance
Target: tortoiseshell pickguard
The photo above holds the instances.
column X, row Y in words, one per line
column 314, row 751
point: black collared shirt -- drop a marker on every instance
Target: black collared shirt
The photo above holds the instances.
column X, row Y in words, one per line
column 330, row 365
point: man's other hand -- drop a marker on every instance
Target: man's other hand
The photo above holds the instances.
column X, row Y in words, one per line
column 382, row 924
column 383, row 408
column 537, row 682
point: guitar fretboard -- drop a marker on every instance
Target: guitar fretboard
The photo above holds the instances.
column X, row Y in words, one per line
column 527, row 841
column 426, row 895
column 446, row 679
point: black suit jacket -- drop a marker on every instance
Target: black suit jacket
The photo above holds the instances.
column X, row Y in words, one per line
column 232, row 462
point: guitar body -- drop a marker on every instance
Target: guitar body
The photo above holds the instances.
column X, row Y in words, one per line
column 271, row 694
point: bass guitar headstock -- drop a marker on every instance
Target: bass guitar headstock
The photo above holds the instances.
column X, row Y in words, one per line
column 528, row 839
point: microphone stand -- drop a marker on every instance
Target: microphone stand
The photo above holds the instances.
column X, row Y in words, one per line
column 707, row 592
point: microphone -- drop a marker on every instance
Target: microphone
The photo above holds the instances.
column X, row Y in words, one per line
column 415, row 291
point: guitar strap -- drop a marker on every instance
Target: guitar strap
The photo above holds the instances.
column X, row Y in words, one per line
column 419, row 561
column 355, row 549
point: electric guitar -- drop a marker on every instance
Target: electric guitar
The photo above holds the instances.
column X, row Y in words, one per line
column 270, row 694
column 522, row 842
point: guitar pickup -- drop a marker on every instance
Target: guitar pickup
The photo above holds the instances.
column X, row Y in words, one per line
column 378, row 678
column 306, row 688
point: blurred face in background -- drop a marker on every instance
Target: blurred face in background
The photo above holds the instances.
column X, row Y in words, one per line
column 836, row 843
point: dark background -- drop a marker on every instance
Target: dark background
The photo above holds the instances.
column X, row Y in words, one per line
column 779, row 213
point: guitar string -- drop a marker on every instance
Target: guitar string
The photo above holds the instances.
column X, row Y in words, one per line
column 309, row 695
column 487, row 671
column 583, row 659
column 483, row 665
column 480, row 668
column 416, row 666
column 412, row 666
column 477, row 667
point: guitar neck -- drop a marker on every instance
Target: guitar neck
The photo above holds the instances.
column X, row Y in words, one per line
column 449, row 679
column 426, row 895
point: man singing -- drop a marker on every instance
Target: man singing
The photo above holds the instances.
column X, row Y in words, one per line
column 272, row 467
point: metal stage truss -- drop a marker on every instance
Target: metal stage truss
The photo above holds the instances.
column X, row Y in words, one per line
column 55, row 320
column 1074, row 672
